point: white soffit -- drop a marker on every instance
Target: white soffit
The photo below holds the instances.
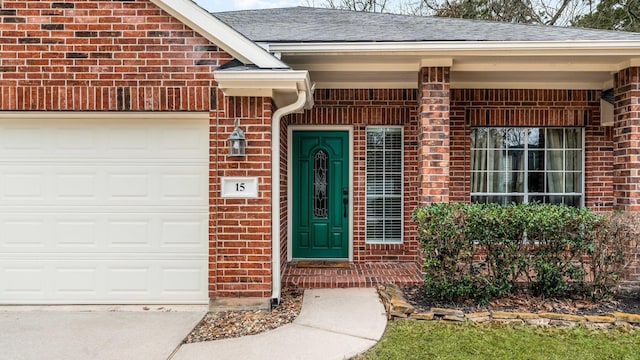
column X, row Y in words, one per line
column 219, row 33
column 469, row 69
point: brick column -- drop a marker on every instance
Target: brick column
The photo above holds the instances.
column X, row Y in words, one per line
column 433, row 135
column 626, row 140
column 240, row 228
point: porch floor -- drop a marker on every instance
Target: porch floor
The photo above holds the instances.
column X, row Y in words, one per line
column 357, row 275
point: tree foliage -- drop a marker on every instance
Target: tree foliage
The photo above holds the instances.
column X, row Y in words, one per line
column 612, row 15
column 600, row 14
column 548, row 12
column 355, row 5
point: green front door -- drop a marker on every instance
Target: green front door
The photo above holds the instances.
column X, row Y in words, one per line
column 320, row 179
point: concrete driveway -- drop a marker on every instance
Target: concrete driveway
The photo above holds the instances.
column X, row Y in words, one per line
column 98, row 335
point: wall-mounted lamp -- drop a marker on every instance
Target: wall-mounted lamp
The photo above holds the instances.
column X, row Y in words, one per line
column 237, row 142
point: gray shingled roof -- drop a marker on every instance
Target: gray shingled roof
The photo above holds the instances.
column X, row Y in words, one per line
column 303, row 24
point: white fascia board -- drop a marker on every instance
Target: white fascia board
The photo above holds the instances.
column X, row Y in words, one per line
column 550, row 66
column 219, row 33
column 383, row 66
column 514, row 48
column 529, row 85
column 446, row 62
column 264, row 82
column 367, row 85
column 470, row 85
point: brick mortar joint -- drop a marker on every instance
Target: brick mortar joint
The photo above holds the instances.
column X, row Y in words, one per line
column 398, row 308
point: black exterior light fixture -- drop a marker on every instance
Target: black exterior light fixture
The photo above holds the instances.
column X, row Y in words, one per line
column 237, row 142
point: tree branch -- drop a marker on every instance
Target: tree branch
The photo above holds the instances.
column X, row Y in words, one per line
column 558, row 13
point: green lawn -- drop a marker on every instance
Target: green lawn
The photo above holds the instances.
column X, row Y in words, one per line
column 439, row 340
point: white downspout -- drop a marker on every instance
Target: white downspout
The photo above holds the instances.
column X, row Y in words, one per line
column 276, row 284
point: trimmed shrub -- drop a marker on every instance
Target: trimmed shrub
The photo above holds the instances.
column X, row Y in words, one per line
column 561, row 237
column 483, row 251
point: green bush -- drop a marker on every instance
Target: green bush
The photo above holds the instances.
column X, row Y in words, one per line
column 482, row 251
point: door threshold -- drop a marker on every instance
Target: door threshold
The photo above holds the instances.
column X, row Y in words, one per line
column 328, row 264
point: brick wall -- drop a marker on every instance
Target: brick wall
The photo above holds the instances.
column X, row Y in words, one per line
column 626, row 152
column 241, row 237
column 626, row 139
column 535, row 108
column 102, row 56
column 361, row 108
column 434, row 135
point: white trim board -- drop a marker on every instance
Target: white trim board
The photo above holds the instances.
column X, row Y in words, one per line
column 219, row 33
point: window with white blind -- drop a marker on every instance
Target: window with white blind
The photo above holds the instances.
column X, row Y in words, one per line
column 515, row 165
column 384, row 185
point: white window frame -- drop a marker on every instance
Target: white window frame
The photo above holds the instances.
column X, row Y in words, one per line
column 526, row 194
column 366, row 173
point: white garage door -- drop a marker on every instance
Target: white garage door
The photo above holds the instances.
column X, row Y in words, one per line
column 107, row 209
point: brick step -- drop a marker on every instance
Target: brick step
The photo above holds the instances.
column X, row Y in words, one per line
column 357, row 275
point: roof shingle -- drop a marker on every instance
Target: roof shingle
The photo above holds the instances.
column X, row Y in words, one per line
column 304, row 24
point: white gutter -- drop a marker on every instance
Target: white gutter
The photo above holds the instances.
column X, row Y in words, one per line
column 621, row 47
column 276, row 283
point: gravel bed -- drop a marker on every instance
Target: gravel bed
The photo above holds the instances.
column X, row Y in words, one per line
column 230, row 324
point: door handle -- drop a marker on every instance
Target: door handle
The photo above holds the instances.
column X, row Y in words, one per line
column 345, row 200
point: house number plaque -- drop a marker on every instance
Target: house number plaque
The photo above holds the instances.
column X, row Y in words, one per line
column 239, row 187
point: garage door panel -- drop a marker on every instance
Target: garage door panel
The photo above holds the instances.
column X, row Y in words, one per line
column 23, row 233
column 75, row 233
column 75, row 185
column 101, row 210
column 184, row 233
column 116, row 139
column 21, row 184
column 20, row 138
column 109, row 185
column 118, row 232
column 22, row 281
column 97, row 280
column 74, row 282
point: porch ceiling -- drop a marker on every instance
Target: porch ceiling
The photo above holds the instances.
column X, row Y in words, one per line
column 506, row 70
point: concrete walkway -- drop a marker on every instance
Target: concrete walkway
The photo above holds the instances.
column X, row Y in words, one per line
column 333, row 324
column 94, row 334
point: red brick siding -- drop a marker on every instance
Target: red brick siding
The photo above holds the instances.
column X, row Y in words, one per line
column 434, row 132
column 361, row 108
column 241, row 236
column 102, row 56
column 626, row 158
column 599, row 167
column 535, row 108
column 626, row 153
